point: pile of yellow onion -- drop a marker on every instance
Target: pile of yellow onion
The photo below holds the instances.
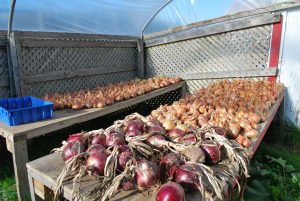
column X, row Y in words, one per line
column 107, row 95
column 237, row 106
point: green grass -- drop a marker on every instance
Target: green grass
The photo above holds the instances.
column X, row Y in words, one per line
column 8, row 189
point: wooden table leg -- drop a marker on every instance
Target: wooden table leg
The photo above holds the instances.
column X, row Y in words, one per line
column 183, row 90
column 32, row 193
column 20, row 158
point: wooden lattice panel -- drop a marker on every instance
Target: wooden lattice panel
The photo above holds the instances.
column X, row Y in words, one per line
column 4, row 75
column 54, row 62
column 237, row 50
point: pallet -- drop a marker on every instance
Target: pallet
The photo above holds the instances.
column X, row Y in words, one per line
column 43, row 172
column 17, row 136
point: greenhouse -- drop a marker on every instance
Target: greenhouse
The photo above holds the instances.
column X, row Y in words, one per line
column 166, row 100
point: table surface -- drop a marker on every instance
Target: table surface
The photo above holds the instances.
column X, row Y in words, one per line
column 68, row 117
column 47, row 169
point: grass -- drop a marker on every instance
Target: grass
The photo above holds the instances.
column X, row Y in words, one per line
column 268, row 181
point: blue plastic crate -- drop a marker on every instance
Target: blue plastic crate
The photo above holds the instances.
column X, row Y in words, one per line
column 16, row 111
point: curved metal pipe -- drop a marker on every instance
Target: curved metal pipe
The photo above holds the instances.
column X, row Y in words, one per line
column 11, row 17
column 151, row 18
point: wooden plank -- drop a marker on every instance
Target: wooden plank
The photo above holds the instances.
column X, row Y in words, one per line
column 258, row 72
column 20, row 158
column 47, row 170
column 141, row 60
column 275, row 7
column 16, row 64
column 32, row 193
column 26, row 43
column 217, row 28
column 4, row 81
column 68, row 74
column 65, row 118
column 60, row 35
column 9, row 145
column 265, row 125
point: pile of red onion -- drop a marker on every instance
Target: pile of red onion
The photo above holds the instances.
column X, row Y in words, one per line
column 178, row 155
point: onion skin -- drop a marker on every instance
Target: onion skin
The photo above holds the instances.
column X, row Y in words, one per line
column 194, row 154
column 99, row 139
column 133, row 133
column 114, row 139
column 128, row 185
column 186, row 140
column 123, row 158
column 169, row 163
column 186, row 177
column 251, row 133
column 156, row 141
column 168, row 124
column 72, row 149
column 95, row 163
column 175, row 133
column 147, row 174
column 170, row 192
column 135, row 125
column 75, row 137
column 157, row 129
column 96, row 148
column 212, row 152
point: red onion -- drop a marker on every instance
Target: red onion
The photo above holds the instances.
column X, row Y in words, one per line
column 135, row 125
column 153, row 123
column 219, row 130
column 75, row 137
column 186, row 176
column 170, row 192
column 157, row 129
column 123, row 158
column 122, row 148
column 99, row 139
column 96, row 148
column 147, row 174
column 175, row 133
column 212, row 152
column 114, row 139
column 118, row 131
column 169, row 163
column 186, row 140
column 95, row 163
column 127, row 185
column 133, row 133
column 194, row 154
column 156, row 141
column 72, row 149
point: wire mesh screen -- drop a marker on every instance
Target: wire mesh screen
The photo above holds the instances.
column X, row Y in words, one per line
column 68, row 63
column 236, row 50
column 4, row 75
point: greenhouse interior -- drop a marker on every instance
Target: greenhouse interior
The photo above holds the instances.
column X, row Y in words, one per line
column 163, row 100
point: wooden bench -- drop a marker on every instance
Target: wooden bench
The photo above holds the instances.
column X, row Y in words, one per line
column 43, row 172
column 17, row 136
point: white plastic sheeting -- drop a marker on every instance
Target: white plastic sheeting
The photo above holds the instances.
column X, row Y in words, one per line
column 117, row 17
column 182, row 12
column 289, row 73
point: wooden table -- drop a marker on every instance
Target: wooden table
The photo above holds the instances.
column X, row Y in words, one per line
column 42, row 176
column 17, row 136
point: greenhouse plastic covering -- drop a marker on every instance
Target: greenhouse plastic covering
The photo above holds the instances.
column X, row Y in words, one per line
column 117, row 17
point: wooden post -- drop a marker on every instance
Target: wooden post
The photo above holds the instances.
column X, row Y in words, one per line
column 20, row 158
column 32, row 194
column 184, row 90
column 141, row 60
